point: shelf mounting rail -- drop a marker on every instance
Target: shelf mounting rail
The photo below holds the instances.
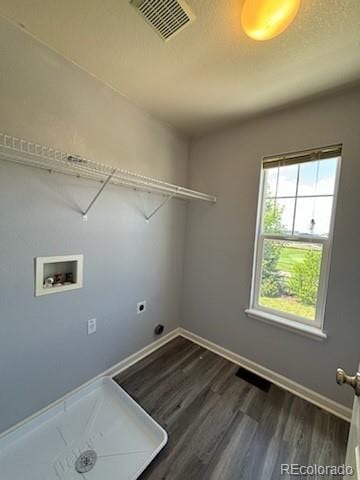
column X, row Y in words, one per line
column 24, row 152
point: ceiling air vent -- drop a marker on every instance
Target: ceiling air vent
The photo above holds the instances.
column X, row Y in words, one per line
column 167, row 17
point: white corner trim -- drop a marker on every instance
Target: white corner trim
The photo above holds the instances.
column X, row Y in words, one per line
column 313, row 397
column 112, row 371
column 295, row 327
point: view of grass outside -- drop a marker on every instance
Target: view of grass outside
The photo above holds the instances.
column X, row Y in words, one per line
column 290, row 271
column 289, row 305
column 283, row 298
column 290, row 256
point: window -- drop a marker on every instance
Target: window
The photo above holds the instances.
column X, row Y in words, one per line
column 294, row 233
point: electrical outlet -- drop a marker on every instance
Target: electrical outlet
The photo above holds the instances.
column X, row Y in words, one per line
column 91, row 326
column 141, row 307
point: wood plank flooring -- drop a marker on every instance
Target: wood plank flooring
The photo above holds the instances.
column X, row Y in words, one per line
column 221, row 427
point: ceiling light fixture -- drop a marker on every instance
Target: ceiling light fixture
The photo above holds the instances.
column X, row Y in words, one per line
column 265, row 19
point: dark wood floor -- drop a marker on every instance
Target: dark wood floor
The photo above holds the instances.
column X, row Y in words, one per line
column 223, row 428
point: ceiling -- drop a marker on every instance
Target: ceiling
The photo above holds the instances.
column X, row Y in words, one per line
column 210, row 74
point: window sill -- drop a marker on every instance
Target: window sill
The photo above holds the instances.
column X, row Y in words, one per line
column 296, row 327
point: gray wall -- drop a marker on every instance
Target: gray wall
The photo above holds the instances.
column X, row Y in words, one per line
column 220, row 242
column 44, row 349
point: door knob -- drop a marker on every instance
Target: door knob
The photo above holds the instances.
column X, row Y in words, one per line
column 354, row 381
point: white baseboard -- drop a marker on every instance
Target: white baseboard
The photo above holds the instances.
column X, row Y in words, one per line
column 140, row 354
column 283, row 382
column 313, row 397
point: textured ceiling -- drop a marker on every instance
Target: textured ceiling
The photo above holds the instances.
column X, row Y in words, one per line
column 211, row 73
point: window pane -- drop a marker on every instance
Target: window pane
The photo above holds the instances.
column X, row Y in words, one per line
column 271, row 175
column 327, row 176
column 271, row 220
column 286, row 207
column 279, row 215
column 287, row 181
column 290, row 276
column 313, row 216
column 307, row 178
column 305, row 212
column 323, row 210
column 318, row 177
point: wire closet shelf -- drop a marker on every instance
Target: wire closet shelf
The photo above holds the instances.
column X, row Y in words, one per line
column 17, row 150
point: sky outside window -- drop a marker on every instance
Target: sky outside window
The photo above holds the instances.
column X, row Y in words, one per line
column 303, row 193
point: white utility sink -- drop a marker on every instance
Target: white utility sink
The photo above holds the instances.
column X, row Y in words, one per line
column 98, row 433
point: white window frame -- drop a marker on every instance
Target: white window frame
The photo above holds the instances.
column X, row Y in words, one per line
column 288, row 320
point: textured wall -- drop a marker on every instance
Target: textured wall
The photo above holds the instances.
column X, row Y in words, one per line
column 220, row 243
column 44, row 348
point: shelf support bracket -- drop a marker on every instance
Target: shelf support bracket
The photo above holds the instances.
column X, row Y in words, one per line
column 104, row 185
column 162, row 204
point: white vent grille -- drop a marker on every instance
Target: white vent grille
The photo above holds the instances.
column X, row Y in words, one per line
column 167, row 17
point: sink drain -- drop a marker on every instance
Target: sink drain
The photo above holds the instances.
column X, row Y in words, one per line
column 86, row 461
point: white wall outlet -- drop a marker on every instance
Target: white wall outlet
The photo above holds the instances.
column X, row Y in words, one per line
column 91, row 326
column 141, row 307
